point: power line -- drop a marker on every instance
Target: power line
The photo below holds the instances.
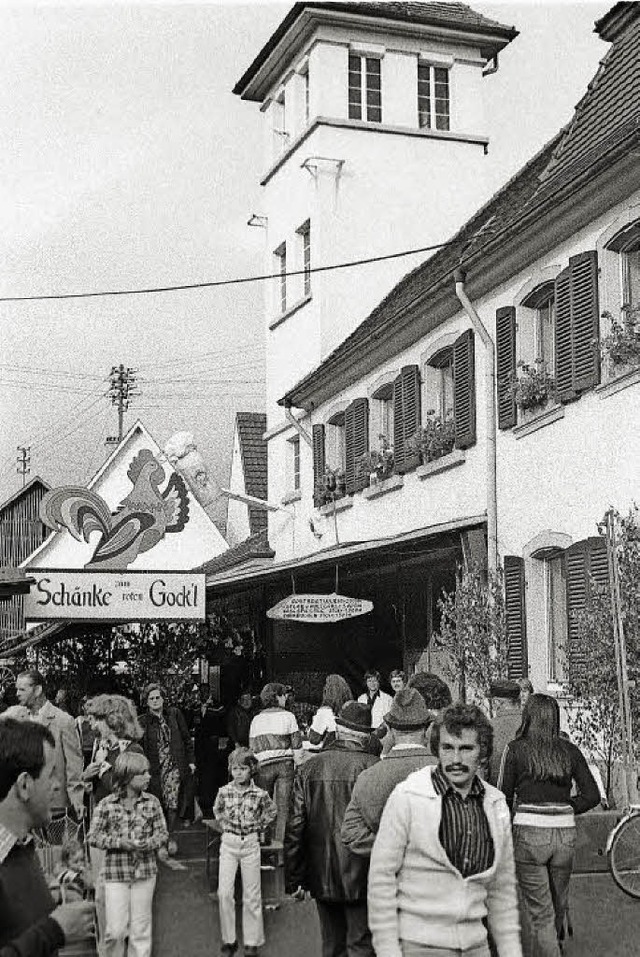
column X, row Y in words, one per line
column 226, row 282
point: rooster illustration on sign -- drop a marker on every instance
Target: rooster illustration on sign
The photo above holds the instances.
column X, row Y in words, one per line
column 141, row 520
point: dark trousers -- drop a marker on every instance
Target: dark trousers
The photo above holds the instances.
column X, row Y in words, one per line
column 344, row 929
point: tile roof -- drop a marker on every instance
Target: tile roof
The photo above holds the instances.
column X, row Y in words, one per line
column 607, row 118
column 255, row 546
column 437, row 14
column 253, row 449
column 611, row 103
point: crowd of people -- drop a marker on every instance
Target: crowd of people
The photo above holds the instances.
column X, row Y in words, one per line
column 419, row 826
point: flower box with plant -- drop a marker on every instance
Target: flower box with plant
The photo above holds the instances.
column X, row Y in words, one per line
column 621, row 346
column 377, row 463
column 533, row 386
column 435, row 438
column 334, row 486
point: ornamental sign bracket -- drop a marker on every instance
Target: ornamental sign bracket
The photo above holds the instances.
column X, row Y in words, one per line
column 319, row 608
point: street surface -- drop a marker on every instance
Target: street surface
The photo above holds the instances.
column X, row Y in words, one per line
column 606, row 922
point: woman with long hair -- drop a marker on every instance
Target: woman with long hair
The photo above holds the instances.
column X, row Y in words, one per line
column 168, row 746
column 538, row 771
column 335, row 693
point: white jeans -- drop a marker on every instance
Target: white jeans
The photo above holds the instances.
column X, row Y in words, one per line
column 243, row 851
column 128, row 914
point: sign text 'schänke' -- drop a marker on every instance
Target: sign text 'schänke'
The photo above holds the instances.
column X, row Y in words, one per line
column 319, row 608
column 116, row 596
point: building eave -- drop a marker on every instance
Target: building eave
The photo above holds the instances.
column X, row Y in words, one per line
column 297, row 28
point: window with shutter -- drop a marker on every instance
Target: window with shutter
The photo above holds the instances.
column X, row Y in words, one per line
column 577, row 327
column 406, row 417
column 318, row 464
column 515, row 612
column 586, row 565
column 585, row 321
column 505, row 365
column 356, row 422
column 464, row 389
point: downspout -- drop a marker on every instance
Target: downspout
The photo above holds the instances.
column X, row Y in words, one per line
column 490, row 418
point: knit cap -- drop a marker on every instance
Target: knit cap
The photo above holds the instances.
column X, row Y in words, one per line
column 408, row 711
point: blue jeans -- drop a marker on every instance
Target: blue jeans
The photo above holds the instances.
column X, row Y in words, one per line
column 544, row 861
column 276, row 778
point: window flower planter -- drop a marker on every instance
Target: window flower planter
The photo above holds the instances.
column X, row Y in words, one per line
column 620, row 348
column 434, row 439
column 377, row 464
column 533, row 389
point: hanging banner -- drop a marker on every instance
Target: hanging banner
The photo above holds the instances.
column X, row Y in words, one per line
column 114, row 596
column 319, row 608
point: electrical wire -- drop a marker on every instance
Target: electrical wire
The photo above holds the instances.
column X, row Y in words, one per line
column 349, row 264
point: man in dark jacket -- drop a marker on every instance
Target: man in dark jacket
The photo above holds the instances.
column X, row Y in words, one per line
column 315, row 857
column 30, row 924
column 407, row 721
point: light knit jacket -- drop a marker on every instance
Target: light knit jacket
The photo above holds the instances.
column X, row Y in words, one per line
column 416, row 894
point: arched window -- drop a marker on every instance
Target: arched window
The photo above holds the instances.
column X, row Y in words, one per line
column 540, row 321
column 626, row 244
column 438, row 383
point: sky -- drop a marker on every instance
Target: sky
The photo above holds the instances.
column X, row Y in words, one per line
column 126, row 162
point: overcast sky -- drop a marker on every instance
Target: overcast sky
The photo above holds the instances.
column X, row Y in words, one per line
column 126, row 162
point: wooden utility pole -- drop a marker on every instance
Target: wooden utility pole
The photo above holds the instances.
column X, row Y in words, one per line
column 122, row 386
column 24, row 459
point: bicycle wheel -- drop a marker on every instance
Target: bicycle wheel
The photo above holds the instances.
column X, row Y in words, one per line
column 624, row 857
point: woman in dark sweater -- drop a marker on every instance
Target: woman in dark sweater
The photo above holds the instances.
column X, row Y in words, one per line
column 538, row 771
column 169, row 749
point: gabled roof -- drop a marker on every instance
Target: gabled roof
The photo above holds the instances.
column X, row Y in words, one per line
column 290, row 34
column 612, row 101
column 253, row 450
column 605, row 128
column 255, row 546
column 24, row 491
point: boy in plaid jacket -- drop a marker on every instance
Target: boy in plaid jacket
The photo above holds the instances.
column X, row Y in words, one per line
column 130, row 826
column 243, row 810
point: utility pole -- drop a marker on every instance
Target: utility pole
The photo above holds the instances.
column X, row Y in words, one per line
column 23, row 462
column 122, row 386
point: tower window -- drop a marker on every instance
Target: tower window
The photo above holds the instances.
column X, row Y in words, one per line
column 304, row 232
column 280, row 256
column 433, row 97
column 365, row 88
column 295, row 462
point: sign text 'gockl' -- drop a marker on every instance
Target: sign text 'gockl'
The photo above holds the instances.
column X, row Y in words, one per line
column 319, row 608
column 115, row 596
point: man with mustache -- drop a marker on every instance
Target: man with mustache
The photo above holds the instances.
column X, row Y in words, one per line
column 442, row 864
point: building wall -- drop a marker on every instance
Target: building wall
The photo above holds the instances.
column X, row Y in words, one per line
column 367, row 189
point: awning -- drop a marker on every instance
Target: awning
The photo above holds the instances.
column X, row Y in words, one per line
column 267, row 569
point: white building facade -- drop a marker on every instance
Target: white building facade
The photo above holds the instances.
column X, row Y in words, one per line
column 543, row 259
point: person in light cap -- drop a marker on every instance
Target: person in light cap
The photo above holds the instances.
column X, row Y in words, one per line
column 507, row 717
column 407, row 720
column 316, row 860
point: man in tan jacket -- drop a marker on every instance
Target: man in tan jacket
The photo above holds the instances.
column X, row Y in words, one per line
column 65, row 772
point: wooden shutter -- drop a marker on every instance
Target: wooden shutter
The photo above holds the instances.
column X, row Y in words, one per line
column 406, row 416
column 586, row 562
column 464, row 389
column 505, row 365
column 564, row 360
column 515, row 610
column 585, row 320
column 577, row 326
column 356, row 428
column 318, row 463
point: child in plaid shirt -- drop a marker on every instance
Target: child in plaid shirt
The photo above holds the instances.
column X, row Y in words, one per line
column 243, row 810
column 130, row 826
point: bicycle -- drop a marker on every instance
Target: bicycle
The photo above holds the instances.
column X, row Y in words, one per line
column 623, row 852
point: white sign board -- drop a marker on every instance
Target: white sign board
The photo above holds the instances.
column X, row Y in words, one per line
column 114, row 596
column 319, row 608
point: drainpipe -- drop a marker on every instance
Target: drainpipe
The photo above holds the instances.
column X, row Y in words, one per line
column 490, row 417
